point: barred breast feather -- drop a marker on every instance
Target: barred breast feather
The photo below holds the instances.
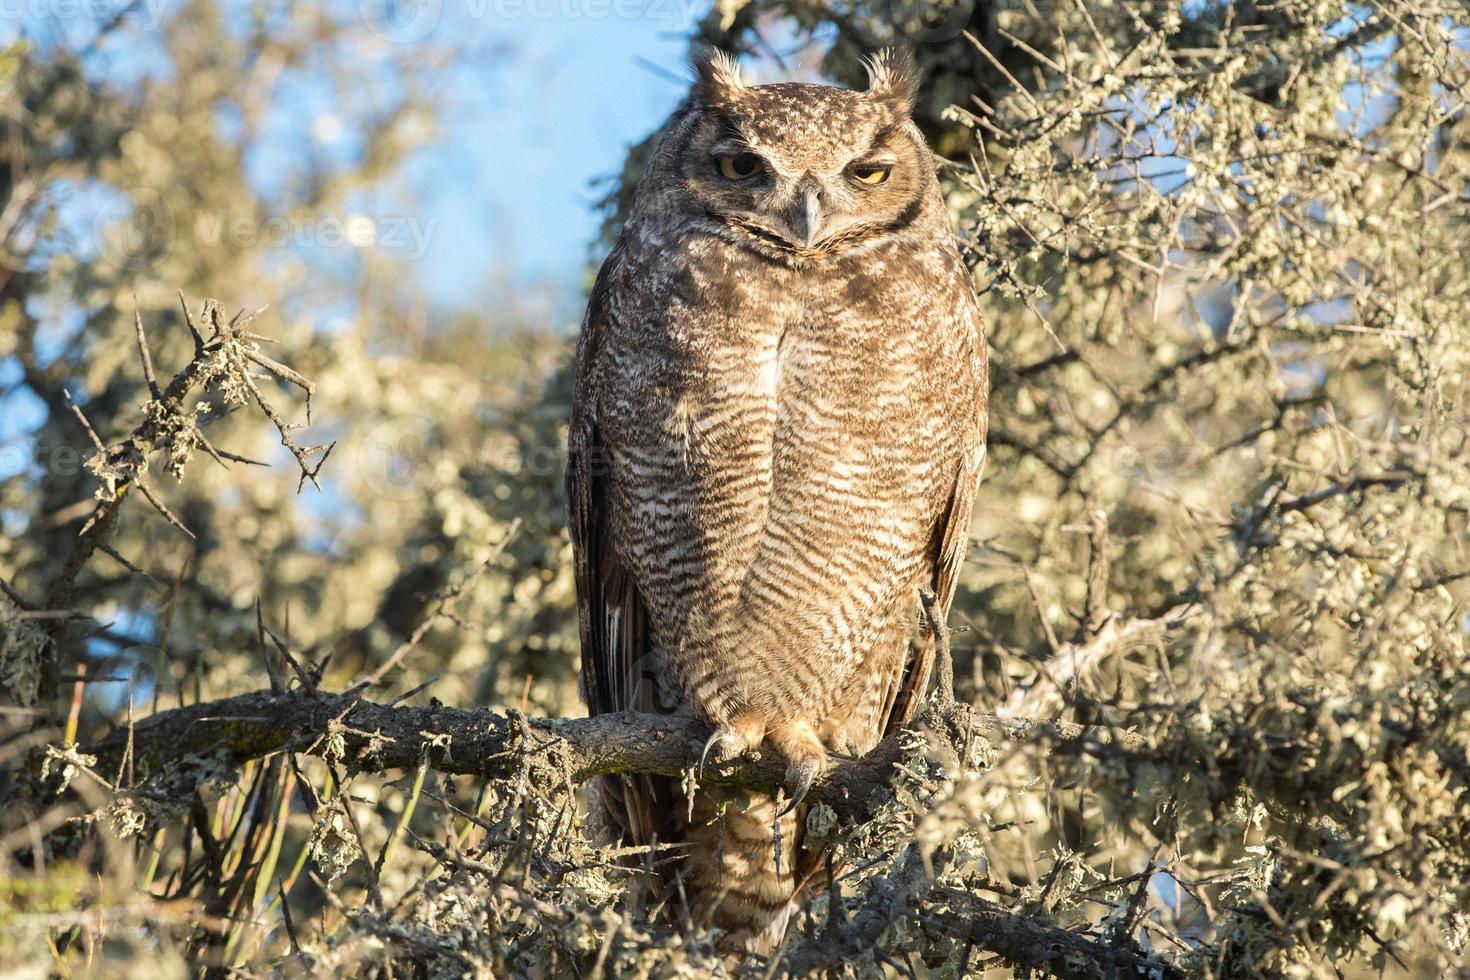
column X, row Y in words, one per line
column 772, row 455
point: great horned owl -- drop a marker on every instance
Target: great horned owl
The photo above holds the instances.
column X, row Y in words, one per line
column 777, row 431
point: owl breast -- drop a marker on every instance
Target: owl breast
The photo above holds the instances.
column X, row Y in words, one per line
column 766, row 415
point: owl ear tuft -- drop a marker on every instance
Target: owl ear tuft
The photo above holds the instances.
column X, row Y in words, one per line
column 893, row 77
column 716, row 76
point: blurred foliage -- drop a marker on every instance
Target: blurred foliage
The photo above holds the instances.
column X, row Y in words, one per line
column 122, row 198
column 1221, row 250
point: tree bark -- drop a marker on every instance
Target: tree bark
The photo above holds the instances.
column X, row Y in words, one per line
column 367, row 736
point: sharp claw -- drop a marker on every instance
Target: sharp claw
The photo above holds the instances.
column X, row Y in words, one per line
column 709, row 744
column 801, row 777
column 729, row 748
column 739, row 736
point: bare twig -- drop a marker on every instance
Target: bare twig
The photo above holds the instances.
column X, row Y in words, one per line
column 143, row 353
column 1072, row 660
column 442, row 608
column 123, row 464
column 1096, row 612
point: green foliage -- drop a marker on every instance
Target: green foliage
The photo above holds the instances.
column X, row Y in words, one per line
column 1229, row 312
column 1221, row 250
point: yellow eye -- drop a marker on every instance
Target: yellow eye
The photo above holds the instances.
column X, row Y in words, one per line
column 870, row 173
column 740, row 167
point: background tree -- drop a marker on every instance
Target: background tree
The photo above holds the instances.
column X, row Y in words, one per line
column 1223, row 528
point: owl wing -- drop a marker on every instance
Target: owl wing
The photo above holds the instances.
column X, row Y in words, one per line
column 949, row 541
column 616, row 637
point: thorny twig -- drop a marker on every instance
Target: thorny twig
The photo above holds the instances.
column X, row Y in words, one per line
column 169, row 425
column 442, row 608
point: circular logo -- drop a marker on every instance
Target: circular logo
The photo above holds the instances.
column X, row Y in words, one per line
column 400, row 21
column 396, row 458
column 133, row 230
column 928, row 22
column 1128, row 462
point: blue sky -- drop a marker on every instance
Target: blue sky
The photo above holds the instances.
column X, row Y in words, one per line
column 510, row 185
column 549, row 96
column 506, row 191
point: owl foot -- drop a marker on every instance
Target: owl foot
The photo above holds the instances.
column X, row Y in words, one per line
column 806, row 757
column 841, row 745
column 740, row 736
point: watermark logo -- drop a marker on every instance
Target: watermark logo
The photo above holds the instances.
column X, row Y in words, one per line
column 133, row 230
column 146, row 14
column 401, row 21
column 410, row 21
column 679, row 14
column 29, row 458
column 930, row 22
column 396, row 457
column 409, row 233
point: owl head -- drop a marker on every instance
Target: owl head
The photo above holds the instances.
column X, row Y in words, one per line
column 803, row 169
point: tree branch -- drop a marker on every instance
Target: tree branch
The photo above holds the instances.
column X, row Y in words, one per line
column 368, row 736
column 168, row 426
column 1020, row 939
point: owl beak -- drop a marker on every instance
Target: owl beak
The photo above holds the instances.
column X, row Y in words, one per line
column 808, row 216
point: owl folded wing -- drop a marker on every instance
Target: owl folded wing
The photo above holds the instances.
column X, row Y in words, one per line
column 616, row 636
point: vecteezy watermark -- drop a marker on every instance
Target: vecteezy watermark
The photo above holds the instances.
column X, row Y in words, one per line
column 53, row 458
column 401, row 21
column 399, row 232
column 133, row 230
column 680, row 14
column 407, row 21
column 147, row 14
column 396, row 457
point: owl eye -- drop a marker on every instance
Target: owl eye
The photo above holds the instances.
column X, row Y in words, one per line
column 866, row 173
column 741, row 166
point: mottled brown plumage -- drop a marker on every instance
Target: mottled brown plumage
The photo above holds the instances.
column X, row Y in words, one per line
column 777, row 432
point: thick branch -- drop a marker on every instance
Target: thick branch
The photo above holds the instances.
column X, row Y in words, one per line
column 370, row 736
column 1024, row 939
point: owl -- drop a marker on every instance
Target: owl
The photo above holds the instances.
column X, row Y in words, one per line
column 777, row 431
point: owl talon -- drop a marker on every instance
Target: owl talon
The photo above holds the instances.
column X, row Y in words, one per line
column 729, row 748
column 800, row 776
column 806, row 757
column 739, row 737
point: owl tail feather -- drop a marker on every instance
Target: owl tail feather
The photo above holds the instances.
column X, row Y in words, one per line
column 742, row 869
